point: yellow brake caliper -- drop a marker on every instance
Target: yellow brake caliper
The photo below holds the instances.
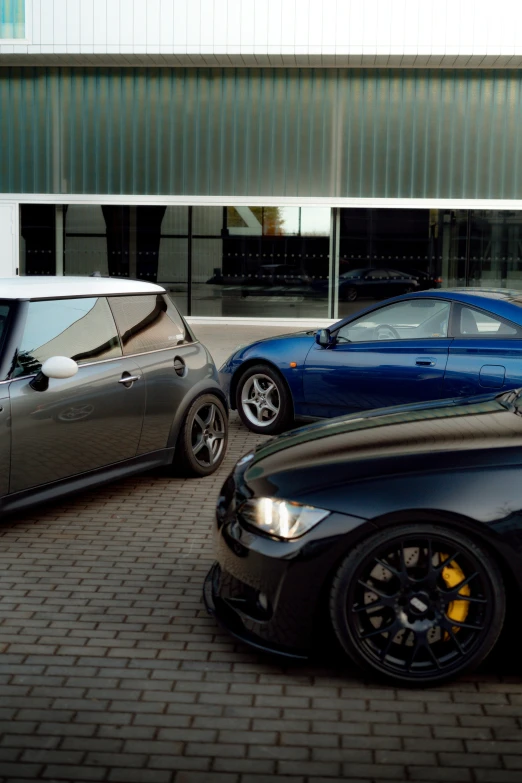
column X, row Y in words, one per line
column 457, row 610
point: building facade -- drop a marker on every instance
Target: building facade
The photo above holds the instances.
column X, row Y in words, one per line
column 254, row 156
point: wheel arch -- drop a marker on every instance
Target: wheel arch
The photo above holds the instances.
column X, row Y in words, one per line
column 252, row 363
column 478, row 532
column 197, row 391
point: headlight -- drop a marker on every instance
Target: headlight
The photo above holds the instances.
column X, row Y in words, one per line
column 281, row 518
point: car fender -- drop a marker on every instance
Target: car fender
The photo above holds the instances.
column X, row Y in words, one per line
column 466, row 498
column 204, row 386
column 272, row 353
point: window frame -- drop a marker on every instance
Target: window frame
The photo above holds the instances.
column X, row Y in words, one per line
column 457, row 335
column 448, row 336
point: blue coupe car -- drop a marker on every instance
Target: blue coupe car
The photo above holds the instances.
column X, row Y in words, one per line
column 423, row 346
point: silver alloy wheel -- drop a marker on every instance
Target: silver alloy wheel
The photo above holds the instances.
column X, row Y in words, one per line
column 208, row 435
column 260, row 400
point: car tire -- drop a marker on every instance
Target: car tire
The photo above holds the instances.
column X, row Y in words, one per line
column 350, row 294
column 270, row 409
column 436, row 633
column 408, row 289
column 203, row 437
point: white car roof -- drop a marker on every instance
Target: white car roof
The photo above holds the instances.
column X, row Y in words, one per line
column 51, row 287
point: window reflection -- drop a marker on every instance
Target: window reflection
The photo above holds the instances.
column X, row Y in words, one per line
column 414, row 249
column 147, row 323
column 263, row 261
column 81, row 329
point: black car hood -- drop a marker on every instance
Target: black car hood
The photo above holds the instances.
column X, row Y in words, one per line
column 384, row 442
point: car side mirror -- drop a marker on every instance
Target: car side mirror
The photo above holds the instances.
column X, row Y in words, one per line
column 323, row 338
column 55, row 367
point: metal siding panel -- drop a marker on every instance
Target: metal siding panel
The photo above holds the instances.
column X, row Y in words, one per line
column 47, row 24
column 277, row 132
column 153, row 25
column 113, row 24
column 166, row 23
column 140, row 24
column 87, row 24
column 99, row 11
column 126, row 17
column 73, row 24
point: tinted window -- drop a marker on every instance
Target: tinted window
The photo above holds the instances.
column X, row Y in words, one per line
column 377, row 274
column 148, row 323
column 411, row 320
column 82, row 329
column 471, row 322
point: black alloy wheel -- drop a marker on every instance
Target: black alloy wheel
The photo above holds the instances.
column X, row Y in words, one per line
column 202, row 441
column 418, row 604
column 350, row 294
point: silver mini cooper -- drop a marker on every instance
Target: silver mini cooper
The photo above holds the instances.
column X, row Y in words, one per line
column 100, row 378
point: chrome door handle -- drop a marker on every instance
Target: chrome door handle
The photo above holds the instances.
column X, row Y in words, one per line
column 129, row 378
column 425, row 363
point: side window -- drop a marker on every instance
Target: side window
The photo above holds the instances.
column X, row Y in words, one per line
column 377, row 274
column 148, row 322
column 412, row 320
column 471, row 322
column 82, row 329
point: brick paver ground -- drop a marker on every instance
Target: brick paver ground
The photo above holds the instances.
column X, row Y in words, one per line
column 111, row 670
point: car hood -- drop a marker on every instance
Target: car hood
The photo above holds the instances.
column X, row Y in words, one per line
column 389, row 441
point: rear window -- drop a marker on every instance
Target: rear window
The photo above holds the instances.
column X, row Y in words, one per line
column 148, row 322
column 475, row 323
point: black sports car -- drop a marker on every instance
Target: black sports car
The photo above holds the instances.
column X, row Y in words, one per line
column 401, row 528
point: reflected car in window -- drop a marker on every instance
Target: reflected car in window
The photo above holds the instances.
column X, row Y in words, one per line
column 414, row 348
column 370, row 283
column 99, row 379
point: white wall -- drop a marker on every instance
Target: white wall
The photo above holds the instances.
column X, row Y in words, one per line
column 8, row 239
column 455, row 33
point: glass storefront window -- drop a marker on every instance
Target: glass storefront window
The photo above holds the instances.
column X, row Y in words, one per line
column 261, row 261
column 398, row 250
column 274, row 261
column 495, row 248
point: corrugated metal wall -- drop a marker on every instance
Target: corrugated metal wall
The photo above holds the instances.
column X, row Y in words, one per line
column 262, row 132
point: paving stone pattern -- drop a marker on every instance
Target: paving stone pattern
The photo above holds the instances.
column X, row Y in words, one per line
column 111, row 670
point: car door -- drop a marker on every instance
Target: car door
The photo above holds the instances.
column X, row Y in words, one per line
column 81, row 423
column 393, row 355
column 485, row 354
column 153, row 332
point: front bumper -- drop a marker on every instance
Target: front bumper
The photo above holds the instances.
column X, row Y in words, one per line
column 225, row 379
column 232, row 621
column 270, row 593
